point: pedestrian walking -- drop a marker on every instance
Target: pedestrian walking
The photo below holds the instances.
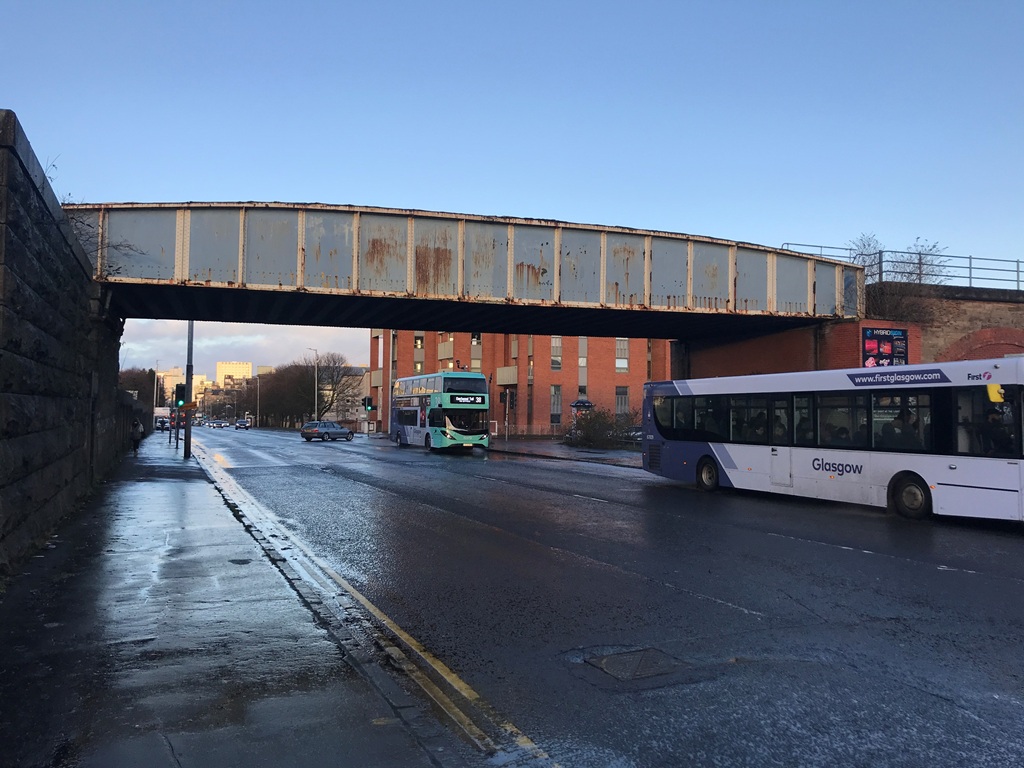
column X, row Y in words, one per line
column 137, row 433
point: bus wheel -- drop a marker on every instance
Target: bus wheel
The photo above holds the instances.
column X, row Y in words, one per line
column 707, row 474
column 426, row 443
column 911, row 498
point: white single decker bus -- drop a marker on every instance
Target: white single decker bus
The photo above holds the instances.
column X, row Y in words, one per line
column 942, row 438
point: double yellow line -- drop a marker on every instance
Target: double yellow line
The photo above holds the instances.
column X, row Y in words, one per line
column 472, row 731
column 530, row 753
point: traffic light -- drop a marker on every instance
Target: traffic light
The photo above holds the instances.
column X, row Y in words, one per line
column 512, row 398
column 179, row 395
column 368, row 403
column 503, row 396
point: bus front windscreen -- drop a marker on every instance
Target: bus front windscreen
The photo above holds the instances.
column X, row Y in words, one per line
column 466, row 422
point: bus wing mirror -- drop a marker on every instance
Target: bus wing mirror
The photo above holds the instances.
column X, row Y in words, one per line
column 995, row 393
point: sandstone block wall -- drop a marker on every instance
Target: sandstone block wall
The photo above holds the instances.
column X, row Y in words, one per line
column 974, row 323
column 62, row 422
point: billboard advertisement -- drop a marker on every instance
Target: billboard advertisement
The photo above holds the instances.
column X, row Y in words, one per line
column 883, row 347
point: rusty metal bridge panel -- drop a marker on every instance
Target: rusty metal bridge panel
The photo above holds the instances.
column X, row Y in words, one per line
column 415, row 256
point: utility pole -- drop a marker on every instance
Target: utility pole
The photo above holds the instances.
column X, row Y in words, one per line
column 156, row 376
column 188, row 392
column 316, row 384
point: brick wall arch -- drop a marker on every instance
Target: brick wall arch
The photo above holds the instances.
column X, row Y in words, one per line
column 984, row 344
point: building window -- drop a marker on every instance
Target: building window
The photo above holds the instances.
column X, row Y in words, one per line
column 556, row 353
column 475, row 340
column 622, row 401
column 556, row 404
column 417, row 367
column 622, row 355
column 417, row 341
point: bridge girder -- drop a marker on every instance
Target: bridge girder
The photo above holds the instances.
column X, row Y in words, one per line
column 347, row 266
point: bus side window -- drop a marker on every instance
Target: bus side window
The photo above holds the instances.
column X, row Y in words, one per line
column 709, row 415
column 682, row 413
column 756, row 430
column 781, row 423
column 663, row 412
column 987, row 428
column 804, row 431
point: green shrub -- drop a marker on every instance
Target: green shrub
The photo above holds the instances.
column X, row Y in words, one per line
column 595, row 428
column 599, row 428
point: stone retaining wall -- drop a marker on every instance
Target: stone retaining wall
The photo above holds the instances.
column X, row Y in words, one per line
column 63, row 423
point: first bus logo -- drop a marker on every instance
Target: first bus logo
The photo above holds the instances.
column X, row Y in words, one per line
column 979, row 376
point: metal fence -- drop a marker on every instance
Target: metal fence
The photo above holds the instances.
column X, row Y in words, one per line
column 931, row 268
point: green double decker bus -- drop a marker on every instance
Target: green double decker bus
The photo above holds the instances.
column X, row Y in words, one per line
column 448, row 409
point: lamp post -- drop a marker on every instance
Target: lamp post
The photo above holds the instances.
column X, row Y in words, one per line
column 156, row 376
column 316, row 383
column 257, row 400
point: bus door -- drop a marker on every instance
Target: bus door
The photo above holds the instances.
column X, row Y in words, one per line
column 781, row 439
column 406, row 423
column 986, row 476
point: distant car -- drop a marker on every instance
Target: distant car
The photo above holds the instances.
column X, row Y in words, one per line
column 163, row 424
column 325, row 430
column 242, row 424
column 634, row 434
column 217, row 424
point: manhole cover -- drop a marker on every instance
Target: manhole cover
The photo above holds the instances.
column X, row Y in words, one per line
column 636, row 665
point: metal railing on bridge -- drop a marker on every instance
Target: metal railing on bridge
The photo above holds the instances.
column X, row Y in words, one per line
column 925, row 267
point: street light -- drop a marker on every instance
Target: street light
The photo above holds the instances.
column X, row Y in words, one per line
column 156, row 376
column 257, row 400
column 316, row 383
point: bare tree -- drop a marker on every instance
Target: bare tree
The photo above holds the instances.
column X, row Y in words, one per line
column 140, row 381
column 920, row 263
column 339, row 382
column 896, row 280
column 85, row 225
column 866, row 250
column 286, row 395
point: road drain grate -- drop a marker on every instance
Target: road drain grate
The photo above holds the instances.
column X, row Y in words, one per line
column 636, row 665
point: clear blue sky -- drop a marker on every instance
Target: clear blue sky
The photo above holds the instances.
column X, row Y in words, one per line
column 803, row 121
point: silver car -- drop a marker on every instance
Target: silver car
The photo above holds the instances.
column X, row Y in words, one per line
column 325, row 430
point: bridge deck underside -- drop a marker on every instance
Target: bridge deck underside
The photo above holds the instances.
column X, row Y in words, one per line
column 172, row 302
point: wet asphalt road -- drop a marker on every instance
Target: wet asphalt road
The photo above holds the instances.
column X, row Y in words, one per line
column 617, row 619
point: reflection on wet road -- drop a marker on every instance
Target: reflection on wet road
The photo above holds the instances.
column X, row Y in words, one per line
column 618, row 619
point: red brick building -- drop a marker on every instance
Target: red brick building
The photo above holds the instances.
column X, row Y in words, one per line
column 545, row 373
column 816, row 347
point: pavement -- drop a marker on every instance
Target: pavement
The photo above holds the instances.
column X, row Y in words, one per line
column 160, row 626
